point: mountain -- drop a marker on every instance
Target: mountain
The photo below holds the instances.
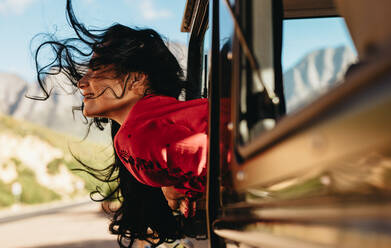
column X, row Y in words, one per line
column 12, row 90
column 37, row 138
column 180, row 52
column 56, row 112
column 314, row 74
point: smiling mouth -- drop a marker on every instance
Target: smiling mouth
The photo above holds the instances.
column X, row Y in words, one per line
column 88, row 96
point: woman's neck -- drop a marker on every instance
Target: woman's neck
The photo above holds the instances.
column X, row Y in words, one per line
column 119, row 115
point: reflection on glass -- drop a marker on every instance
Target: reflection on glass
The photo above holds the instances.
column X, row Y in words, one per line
column 316, row 54
column 257, row 112
column 365, row 175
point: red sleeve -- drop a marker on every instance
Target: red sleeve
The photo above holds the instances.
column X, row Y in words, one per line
column 163, row 142
column 186, row 156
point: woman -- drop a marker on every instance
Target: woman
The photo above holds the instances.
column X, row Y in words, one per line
column 131, row 80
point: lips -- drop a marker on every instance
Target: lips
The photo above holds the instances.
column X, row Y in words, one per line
column 88, row 95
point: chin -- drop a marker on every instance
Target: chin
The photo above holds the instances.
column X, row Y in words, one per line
column 92, row 114
column 89, row 113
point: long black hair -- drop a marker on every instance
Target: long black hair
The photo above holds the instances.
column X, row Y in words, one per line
column 144, row 213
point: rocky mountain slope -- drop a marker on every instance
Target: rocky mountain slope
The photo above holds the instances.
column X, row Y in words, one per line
column 40, row 159
column 35, row 154
column 56, row 111
column 314, row 74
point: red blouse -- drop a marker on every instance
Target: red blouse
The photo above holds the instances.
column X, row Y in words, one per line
column 163, row 142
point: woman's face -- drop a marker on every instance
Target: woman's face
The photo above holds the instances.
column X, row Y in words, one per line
column 106, row 95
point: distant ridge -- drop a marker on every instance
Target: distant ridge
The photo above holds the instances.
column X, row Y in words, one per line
column 12, row 90
column 56, row 112
column 314, row 74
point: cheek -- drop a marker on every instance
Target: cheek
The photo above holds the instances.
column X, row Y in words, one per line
column 117, row 89
column 93, row 107
column 87, row 108
column 101, row 106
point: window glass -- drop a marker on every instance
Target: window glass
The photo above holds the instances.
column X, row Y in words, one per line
column 206, row 56
column 256, row 113
column 316, row 54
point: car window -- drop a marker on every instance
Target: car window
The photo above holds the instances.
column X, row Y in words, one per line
column 259, row 74
column 316, row 55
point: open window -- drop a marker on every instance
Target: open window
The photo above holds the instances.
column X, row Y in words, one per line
column 195, row 22
column 293, row 148
column 258, row 77
column 296, row 63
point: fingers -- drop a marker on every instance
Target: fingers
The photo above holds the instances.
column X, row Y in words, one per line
column 183, row 207
column 171, row 193
column 187, row 207
column 173, row 204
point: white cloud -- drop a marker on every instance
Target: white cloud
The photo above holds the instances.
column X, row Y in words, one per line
column 150, row 11
column 14, row 6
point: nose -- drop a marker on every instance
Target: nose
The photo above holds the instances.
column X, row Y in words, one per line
column 83, row 82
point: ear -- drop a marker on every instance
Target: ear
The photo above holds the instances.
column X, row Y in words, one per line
column 138, row 82
column 140, row 77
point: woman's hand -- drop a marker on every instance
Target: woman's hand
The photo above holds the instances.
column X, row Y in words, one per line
column 179, row 201
column 187, row 207
column 173, row 197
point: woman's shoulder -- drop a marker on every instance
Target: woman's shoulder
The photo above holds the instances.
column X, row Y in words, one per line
column 155, row 119
column 160, row 105
column 168, row 137
column 157, row 108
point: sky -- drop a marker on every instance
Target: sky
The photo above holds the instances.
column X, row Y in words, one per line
column 21, row 20
column 301, row 36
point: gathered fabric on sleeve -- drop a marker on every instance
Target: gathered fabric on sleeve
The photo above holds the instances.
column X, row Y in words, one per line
column 163, row 142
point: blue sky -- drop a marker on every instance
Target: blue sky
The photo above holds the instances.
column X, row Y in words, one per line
column 304, row 35
column 21, row 20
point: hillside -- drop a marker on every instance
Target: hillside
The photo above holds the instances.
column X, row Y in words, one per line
column 314, row 74
column 36, row 138
column 40, row 157
column 55, row 112
column 40, row 161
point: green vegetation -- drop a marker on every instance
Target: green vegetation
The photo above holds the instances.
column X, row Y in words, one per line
column 304, row 188
column 92, row 154
column 90, row 182
column 55, row 139
column 53, row 167
column 32, row 191
column 6, row 197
